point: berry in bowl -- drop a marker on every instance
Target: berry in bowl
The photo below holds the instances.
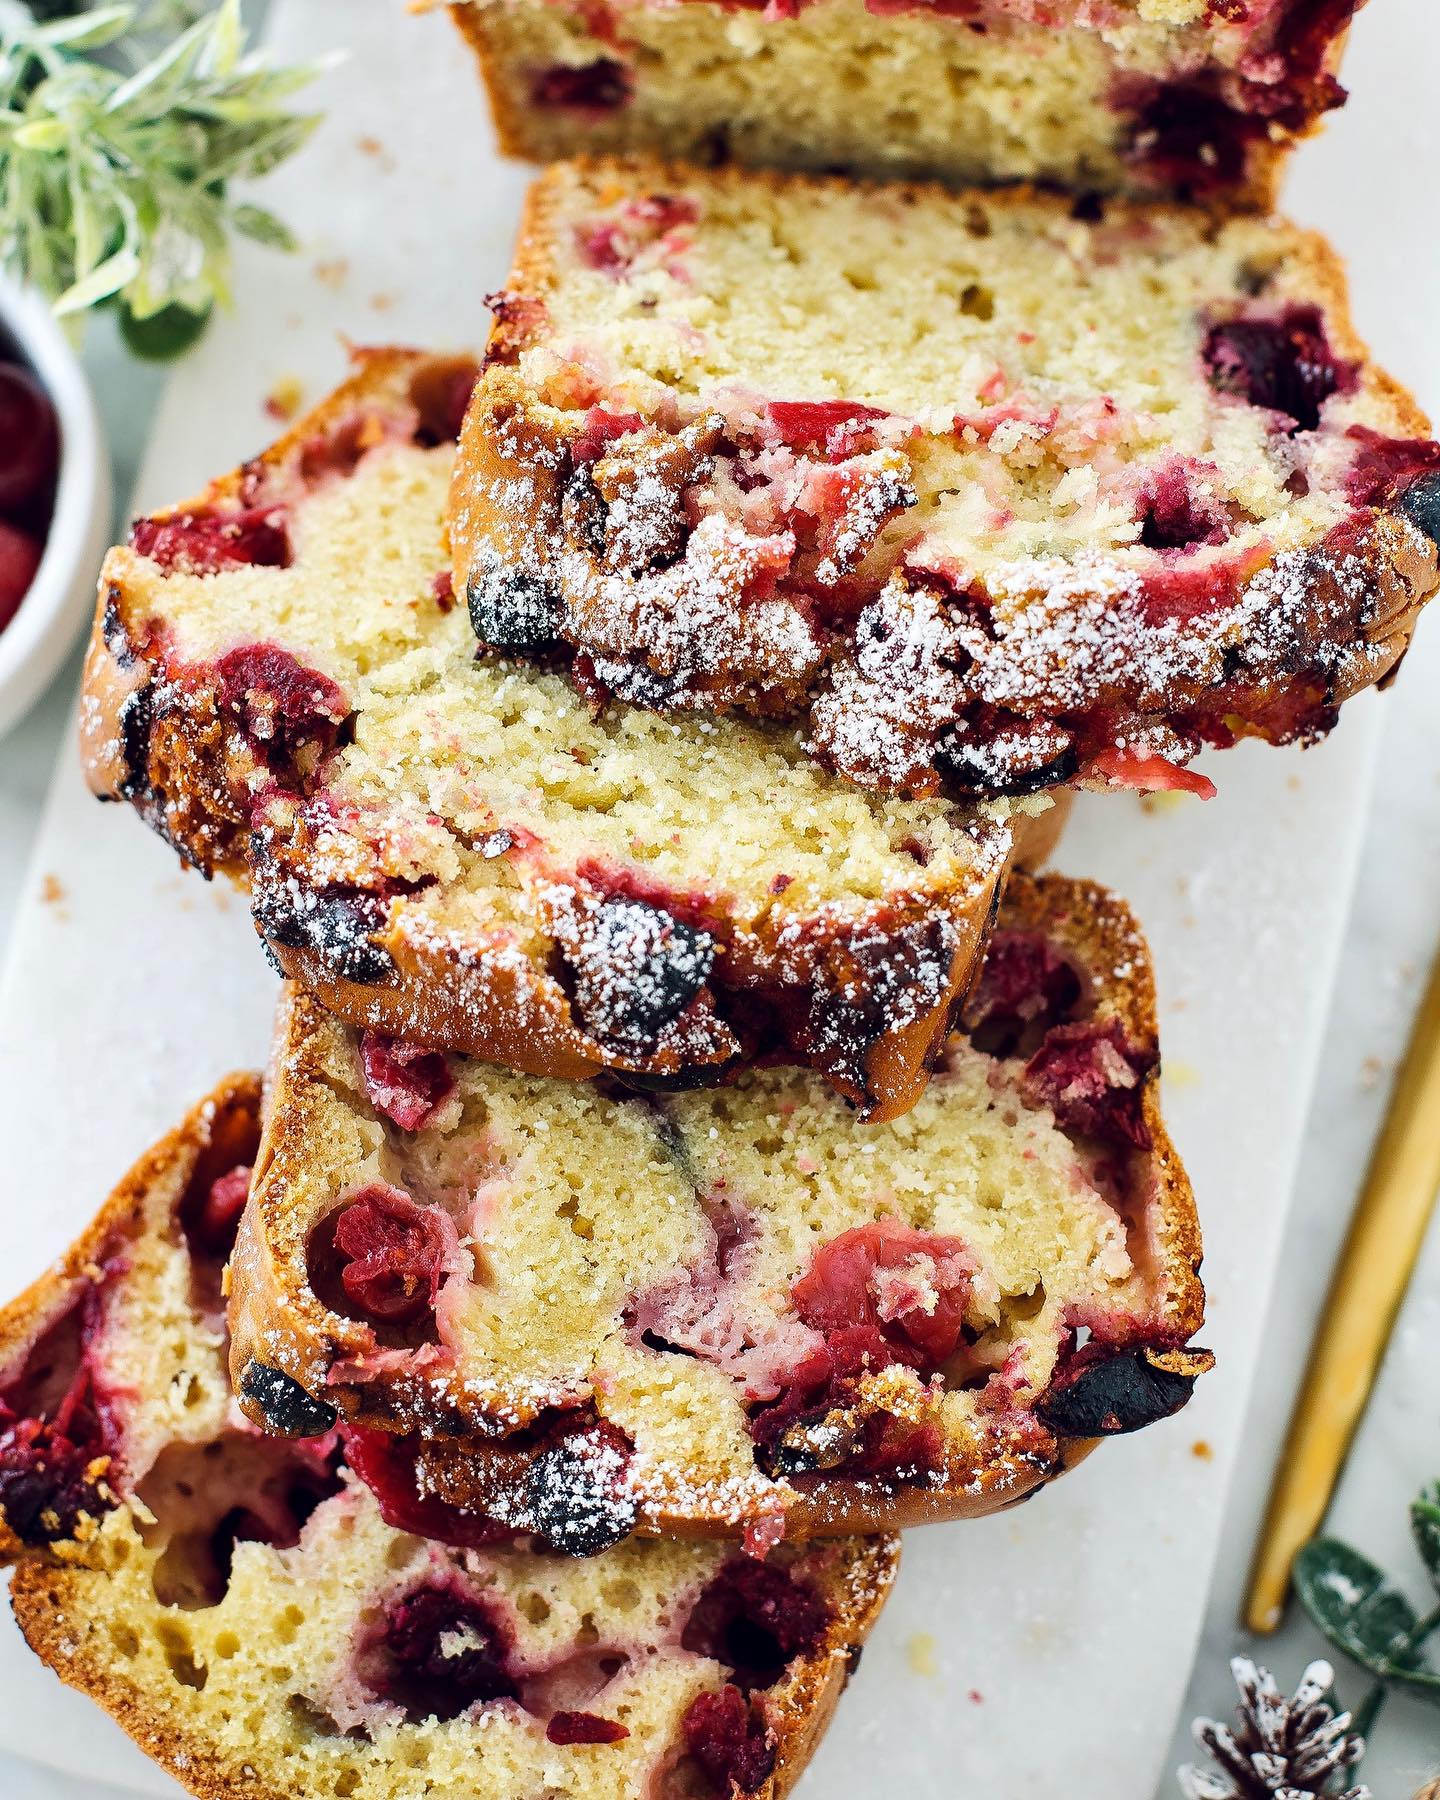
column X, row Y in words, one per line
column 55, row 499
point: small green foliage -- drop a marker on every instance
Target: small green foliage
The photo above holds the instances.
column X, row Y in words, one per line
column 122, row 128
column 1363, row 1614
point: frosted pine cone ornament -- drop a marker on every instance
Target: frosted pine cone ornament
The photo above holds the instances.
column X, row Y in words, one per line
column 1278, row 1749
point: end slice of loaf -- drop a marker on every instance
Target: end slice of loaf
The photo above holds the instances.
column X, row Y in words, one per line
column 1138, row 96
column 459, row 849
column 238, row 1604
column 733, row 1310
column 982, row 492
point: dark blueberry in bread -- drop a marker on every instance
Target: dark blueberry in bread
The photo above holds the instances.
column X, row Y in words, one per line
column 1284, row 364
column 511, row 610
column 336, row 923
column 634, row 969
column 438, row 1652
column 285, row 1406
column 575, row 1496
column 968, row 764
column 598, row 86
column 1113, row 1391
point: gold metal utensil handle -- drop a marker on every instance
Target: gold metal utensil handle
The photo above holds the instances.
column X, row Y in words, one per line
column 1366, row 1290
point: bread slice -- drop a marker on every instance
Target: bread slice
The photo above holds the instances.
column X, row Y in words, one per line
column 238, row 1604
column 731, row 1311
column 458, row 849
column 1196, row 97
column 983, row 492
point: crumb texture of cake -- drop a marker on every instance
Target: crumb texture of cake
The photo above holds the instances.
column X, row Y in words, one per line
column 981, row 493
column 732, row 1310
column 460, row 849
column 1199, row 98
column 241, row 1607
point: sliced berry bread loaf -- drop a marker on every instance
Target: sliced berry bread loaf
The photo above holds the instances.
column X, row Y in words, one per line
column 1195, row 97
column 984, row 492
column 455, row 848
column 239, row 1604
column 732, row 1311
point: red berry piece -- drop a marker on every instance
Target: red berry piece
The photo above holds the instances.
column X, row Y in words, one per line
column 729, row 1739
column 910, row 1287
column 405, row 1081
column 395, row 1253
column 599, row 429
column 755, row 1617
column 218, row 1217
column 1092, row 1078
column 278, row 702
column 29, row 439
column 208, row 542
column 1284, row 364
column 20, row 555
column 1186, row 138
column 1177, row 512
column 1025, row 986
column 815, row 424
column 439, row 1652
column 386, row 1464
column 1401, row 472
column 584, row 1728
column 600, row 86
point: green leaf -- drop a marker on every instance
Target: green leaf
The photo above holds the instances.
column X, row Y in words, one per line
column 163, row 335
column 102, row 281
column 1425, row 1523
column 1362, row 1613
column 41, row 134
column 263, row 227
column 88, row 30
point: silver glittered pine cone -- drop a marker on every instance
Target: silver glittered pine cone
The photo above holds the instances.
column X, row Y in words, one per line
column 1278, row 1749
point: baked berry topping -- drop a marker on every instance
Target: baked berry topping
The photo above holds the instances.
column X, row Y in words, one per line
column 872, row 983
column 1399, row 472
column 909, row 1287
column 584, row 1728
column 284, row 1406
column 1186, row 137
column 599, row 86
column 405, row 1081
column 439, row 1652
column 1092, row 1078
column 510, row 610
column 337, row 923
column 755, row 1617
column 821, row 1425
column 1101, row 1391
column 1284, row 364
column 386, row 1464
column 598, row 430
column 991, row 753
column 1025, row 987
column 1148, row 774
column 279, row 704
column 576, row 1494
column 1177, row 511
column 728, row 1738
column 206, row 542
column 634, row 969
column 394, row 1253
column 825, row 424
column 57, row 1437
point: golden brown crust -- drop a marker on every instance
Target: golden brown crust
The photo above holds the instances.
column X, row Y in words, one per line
column 49, row 1603
column 223, row 1127
column 277, row 1319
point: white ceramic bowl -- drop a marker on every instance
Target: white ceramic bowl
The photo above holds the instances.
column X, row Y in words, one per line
column 38, row 638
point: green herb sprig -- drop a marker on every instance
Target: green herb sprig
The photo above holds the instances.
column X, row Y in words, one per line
column 122, row 128
column 1367, row 1616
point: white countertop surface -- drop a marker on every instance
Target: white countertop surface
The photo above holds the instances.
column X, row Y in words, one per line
column 1393, row 932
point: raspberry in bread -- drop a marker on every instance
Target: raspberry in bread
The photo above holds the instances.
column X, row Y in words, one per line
column 984, row 492
column 1196, row 97
column 458, row 849
column 731, row 1310
column 239, row 1604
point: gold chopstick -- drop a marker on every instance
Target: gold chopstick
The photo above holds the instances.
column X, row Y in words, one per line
column 1366, row 1290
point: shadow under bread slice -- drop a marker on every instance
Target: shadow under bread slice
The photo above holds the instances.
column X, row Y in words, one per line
column 733, row 1310
column 457, row 848
column 238, row 1603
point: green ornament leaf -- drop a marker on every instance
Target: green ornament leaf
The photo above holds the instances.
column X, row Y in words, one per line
column 254, row 222
column 1363, row 1614
column 163, row 335
column 1425, row 1523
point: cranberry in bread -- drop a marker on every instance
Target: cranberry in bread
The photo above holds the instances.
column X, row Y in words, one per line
column 240, row 1605
column 983, row 492
column 1201, row 98
column 590, row 1312
column 456, row 848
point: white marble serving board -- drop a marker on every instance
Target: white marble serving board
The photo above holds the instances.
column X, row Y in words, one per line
column 1023, row 1657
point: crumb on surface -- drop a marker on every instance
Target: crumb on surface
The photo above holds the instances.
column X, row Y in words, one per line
column 920, row 1654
